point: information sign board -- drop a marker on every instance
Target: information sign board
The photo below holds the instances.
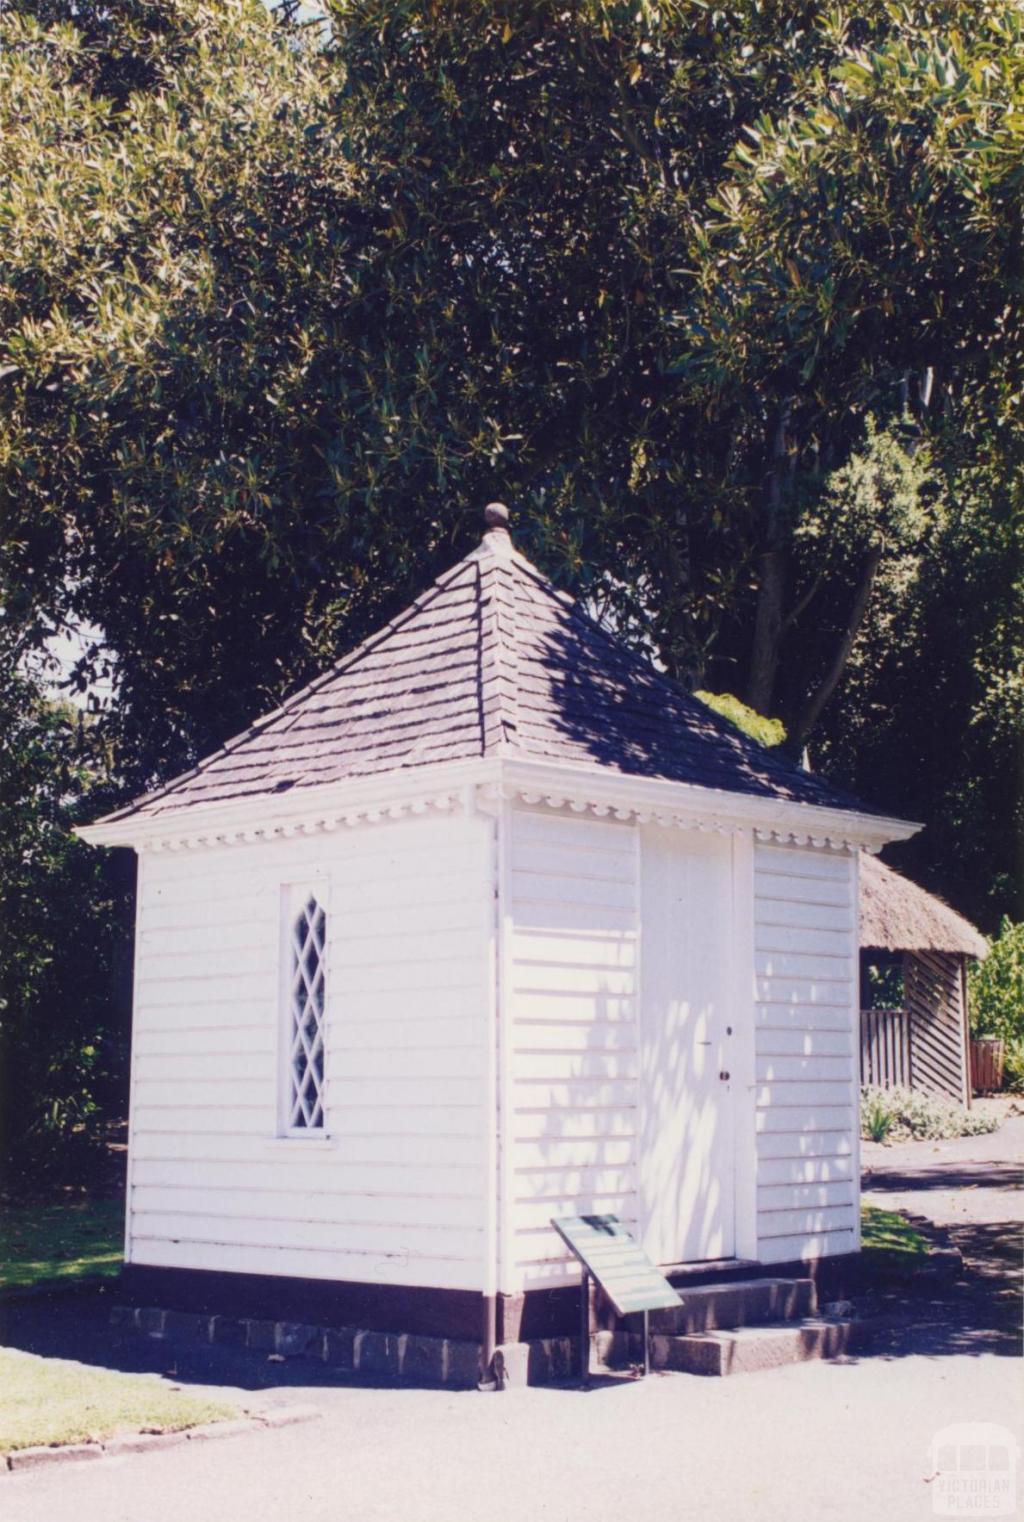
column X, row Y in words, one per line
column 618, row 1263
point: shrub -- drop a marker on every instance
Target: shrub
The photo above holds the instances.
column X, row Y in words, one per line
column 906, row 1115
column 1013, row 1067
column 756, row 726
column 876, row 1115
column 996, row 987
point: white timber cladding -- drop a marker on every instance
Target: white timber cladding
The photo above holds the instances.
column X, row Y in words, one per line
column 395, row 1189
column 571, row 1102
column 807, row 1033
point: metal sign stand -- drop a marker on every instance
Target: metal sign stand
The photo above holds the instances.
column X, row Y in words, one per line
column 585, row 1332
column 584, row 1328
column 609, row 1256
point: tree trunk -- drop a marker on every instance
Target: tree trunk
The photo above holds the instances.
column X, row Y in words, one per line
column 764, row 659
column 771, row 595
column 811, row 711
column 1017, row 893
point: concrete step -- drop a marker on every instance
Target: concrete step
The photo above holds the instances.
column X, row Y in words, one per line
column 747, row 1350
column 746, row 1302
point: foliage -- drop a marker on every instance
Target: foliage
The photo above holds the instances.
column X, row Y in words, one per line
column 765, row 731
column 174, row 265
column 43, row 1244
column 881, row 981
column 899, row 1114
column 876, row 1117
column 64, row 944
column 996, row 986
column 862, row 253
column 52, row 1401
column 919, row 675
column 1013, row 1066
column 726, row 299
column 267, row 368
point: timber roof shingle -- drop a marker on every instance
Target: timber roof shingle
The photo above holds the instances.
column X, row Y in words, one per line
column 490, row 660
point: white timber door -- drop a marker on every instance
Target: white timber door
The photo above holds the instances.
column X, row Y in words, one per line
column 686, row 1133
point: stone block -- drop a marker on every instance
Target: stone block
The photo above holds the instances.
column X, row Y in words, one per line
column 261, row 1335
column 377, row 1353
column 614, row 1350
column 207, row 1430
column 292, row 1339
column 512, row 1365
column 70, row 1453
column 423, row 1360
column 142, row 1442
column 229, row 1331
column 151, row 1320
column 339, row 1347
column 462, row 1364
column 187, row 1324
column 563, row 1357
column 287, row 1416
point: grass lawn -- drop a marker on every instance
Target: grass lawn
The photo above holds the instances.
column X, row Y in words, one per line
column 52, row 1401
column 43, row 1244
column 889, row 1240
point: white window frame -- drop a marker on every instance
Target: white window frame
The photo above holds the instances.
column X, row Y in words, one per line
column 293, row 899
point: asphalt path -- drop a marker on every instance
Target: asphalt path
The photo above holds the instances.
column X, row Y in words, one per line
column 818, row 1442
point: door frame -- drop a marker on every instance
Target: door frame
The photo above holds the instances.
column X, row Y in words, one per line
column 738, row 990
column 743, row 1065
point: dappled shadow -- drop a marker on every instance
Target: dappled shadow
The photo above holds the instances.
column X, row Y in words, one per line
column 978, row 1313
column 992, row 1175
column 627, row 1118
column 584, row 696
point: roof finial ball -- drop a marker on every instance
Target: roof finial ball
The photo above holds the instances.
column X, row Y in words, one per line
column 496, row 516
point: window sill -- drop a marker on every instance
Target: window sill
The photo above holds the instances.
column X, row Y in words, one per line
column 306, row 1143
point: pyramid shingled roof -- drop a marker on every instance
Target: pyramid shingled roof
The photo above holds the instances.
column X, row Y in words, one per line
column 491, row 660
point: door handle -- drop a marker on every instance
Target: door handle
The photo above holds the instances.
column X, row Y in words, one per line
column 724, row 1076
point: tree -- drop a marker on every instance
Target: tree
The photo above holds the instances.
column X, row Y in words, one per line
column 277, row 322
column 65, row 943
column 173, row 252
column 929, row 721
column 678, row 280
column 997, row 986
column 864, row 254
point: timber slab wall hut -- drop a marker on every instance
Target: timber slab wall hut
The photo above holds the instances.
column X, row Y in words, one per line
column 925, row 1043
column 491, row 923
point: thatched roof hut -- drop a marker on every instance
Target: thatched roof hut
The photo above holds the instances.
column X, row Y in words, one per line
column 925, row 1044
column 897, row 915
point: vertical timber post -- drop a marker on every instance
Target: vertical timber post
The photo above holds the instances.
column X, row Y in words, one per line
column 647, row 1343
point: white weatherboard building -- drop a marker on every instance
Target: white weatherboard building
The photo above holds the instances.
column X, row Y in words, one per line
column 491, row 923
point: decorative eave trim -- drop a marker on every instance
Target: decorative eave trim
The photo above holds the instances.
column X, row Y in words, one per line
column 683, row 806
column 447, row 788
column 465, row 787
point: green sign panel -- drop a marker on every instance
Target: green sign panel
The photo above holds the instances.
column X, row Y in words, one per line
column 620, row 1265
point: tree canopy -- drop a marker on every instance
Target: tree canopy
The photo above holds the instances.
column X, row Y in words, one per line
column 724, row 299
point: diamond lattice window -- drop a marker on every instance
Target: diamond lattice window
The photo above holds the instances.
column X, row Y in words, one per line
column 307, row 998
